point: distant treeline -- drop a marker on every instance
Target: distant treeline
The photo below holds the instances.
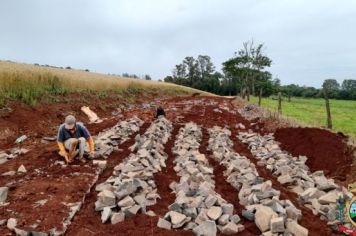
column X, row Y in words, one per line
column 246, row 74
column 345, row 91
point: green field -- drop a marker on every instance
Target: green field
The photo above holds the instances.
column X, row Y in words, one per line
column 312, row 112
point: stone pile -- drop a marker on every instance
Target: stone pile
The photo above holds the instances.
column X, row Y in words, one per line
column 132, row 187
column 107, row 141
column 315, row 191
column 250, row 112
column 197, row 206
column 272, row 215
column 11, row 154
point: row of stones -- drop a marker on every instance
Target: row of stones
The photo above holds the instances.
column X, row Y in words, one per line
column 107, row 141
column 315, row 191
column 263, row 206
column 197, row 206
column 132, row 187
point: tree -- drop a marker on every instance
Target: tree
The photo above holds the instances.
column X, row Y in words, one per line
column 148, row 77
column 192, row 69
column 248, row 65
column 259, row 62
column 331, row 87
column 206, row 67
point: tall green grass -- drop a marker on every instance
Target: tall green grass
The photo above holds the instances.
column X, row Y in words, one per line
column 29, row 83
column 312, row 112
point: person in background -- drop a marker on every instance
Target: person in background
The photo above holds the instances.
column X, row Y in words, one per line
column 159, row 111
column 72, row 138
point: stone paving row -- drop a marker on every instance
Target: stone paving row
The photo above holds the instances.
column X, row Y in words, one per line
column 272, row 215
column 108, row 140
column 315, row 191
column 197, row 206
column 132, row 187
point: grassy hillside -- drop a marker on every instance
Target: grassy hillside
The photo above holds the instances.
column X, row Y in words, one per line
column 29, row 83
column 312, row 112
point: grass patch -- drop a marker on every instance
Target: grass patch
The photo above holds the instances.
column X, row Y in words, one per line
column 30, row 83
column 312, row 112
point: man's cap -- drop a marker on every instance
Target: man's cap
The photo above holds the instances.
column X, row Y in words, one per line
column 69, row 122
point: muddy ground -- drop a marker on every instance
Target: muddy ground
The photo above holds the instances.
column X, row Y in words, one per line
column 65, row 185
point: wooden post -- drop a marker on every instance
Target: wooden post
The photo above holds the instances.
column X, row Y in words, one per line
column 260, row 97
column 279, row 103
column 248, row 93
column 328, row 113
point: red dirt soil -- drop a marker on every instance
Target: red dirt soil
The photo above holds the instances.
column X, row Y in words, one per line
column 325, row 150
column 87, row 222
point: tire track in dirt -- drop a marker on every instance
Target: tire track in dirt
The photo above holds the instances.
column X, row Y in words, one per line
column 225, row 189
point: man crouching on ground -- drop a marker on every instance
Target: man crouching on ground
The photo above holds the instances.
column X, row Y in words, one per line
column 71, row 139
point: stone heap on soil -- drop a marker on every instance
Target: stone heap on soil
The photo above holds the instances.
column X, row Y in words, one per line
column 11, row 154
column 263, row 206
column 107, row 141
column 197, row 206
column 316, row 192
column 132, row 187
column 250, row 112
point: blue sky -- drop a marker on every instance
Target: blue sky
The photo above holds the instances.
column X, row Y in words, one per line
column 308, row 41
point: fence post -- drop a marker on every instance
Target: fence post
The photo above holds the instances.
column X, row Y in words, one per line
column 279, row 103
column 328, row 113
column 260, row 97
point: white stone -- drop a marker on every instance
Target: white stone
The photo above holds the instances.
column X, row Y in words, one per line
column 164, row 224
column 285, row 179
column 132, row 210
column 176, row 217
column 263, row 217
column 207, row 228
column 150, row 213
column 330, row 197
column 296, row 229
column 224, row 219
column 101, row 164
column 277, row 225
column 9, row 173
column 228, row 208
column 117, row 217
column 11, row 223
column 107, row 198
column 235, row 218
column 214, row 212
column 126, row 202
column 230, row 228
column 22, row 169
column 210, row 200
column 3, row 193
column 105, row 214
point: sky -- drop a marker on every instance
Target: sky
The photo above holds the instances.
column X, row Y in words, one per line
column 308, row 41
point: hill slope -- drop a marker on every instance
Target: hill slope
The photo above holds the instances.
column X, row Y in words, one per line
column 29, row 83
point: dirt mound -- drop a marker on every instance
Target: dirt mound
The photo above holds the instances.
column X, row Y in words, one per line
column 325, row 150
